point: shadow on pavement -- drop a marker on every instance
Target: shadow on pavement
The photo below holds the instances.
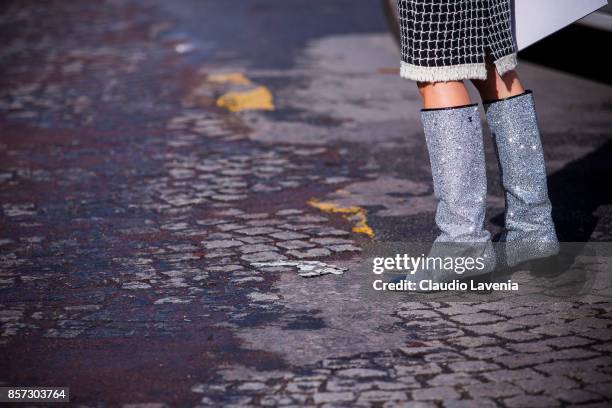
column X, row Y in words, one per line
column 577, row 191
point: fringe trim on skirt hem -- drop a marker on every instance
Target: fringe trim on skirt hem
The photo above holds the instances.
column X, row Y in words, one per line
column 455, row 72
column 506, row 63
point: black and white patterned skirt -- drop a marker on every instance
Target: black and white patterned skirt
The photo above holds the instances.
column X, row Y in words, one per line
column 449, row 40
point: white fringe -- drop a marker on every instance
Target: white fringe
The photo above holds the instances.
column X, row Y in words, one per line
column 455, row 72
column 442, row 74
column 506, row 63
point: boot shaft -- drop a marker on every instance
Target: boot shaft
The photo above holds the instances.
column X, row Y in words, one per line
column 455, row 144
column 517, row 141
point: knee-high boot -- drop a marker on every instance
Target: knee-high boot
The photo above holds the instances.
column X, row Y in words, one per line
column 455, row 143
column 530, row 232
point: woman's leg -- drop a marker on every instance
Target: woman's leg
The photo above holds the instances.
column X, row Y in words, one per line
column 498, row 86
column 437, row 95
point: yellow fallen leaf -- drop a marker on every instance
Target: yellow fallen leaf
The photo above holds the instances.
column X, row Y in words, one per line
column 354, row 213
column 259, row 98
column 229, row 78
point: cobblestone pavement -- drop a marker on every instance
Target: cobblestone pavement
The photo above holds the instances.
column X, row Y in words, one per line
column 168, row 170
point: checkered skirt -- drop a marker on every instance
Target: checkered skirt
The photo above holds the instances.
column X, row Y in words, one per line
column 447, row 40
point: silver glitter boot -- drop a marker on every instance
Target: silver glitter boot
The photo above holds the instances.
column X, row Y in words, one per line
column 456, row 152
column 530, row 232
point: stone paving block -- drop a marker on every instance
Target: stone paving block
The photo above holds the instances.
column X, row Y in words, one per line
column 472, row 366
column 263, row 223
column 327, row 231
column 577, row 396
column 252, row 386
column 380, row 395
column 492, row 390
column 65, row 333
column 296, row 227
column 485, row 353
column 476, row 318
column 326, row 397
column 598, row 334
column 297, row 244
column 248, row 279
column 347, row 384
column 603, row 348
column 221, row 244
column 408, row 305
column 443, row 357
column 603, row 389
column 535, row 320
column 516, row 360
column 506, row 375
column 273, row 401
column 309, row 253
column 288, row 211
column 582, row 324
column 555, row 329
column 520, row 311
column 345, row 248
column 435, row 394
column 418, row 314
column 331, row 241
column 495, row 306
column 590, row 376
column 417, row 369
column 495, row 328
column 453, row 380
column 389, row 385
column 422, row 348
column 458, row 309
column 225, row 268
column 530, row 347
column 408, row 381
column 573, row 354
column 409, row 404
column 569, row 341
column 480, row 403
column 262, row 297
column 519, row 335
column 230, row 226
column 595, row 405
column 219, row 254
column 252, row 216
column 473, row 341
column 265, row 256
column 361, row 373
column 228, row 197
column 288, row 235
column 308, row 218
column 300, row 386
column 548, row 385
column 258, row 231
column 247, row 249
column 531, row 401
